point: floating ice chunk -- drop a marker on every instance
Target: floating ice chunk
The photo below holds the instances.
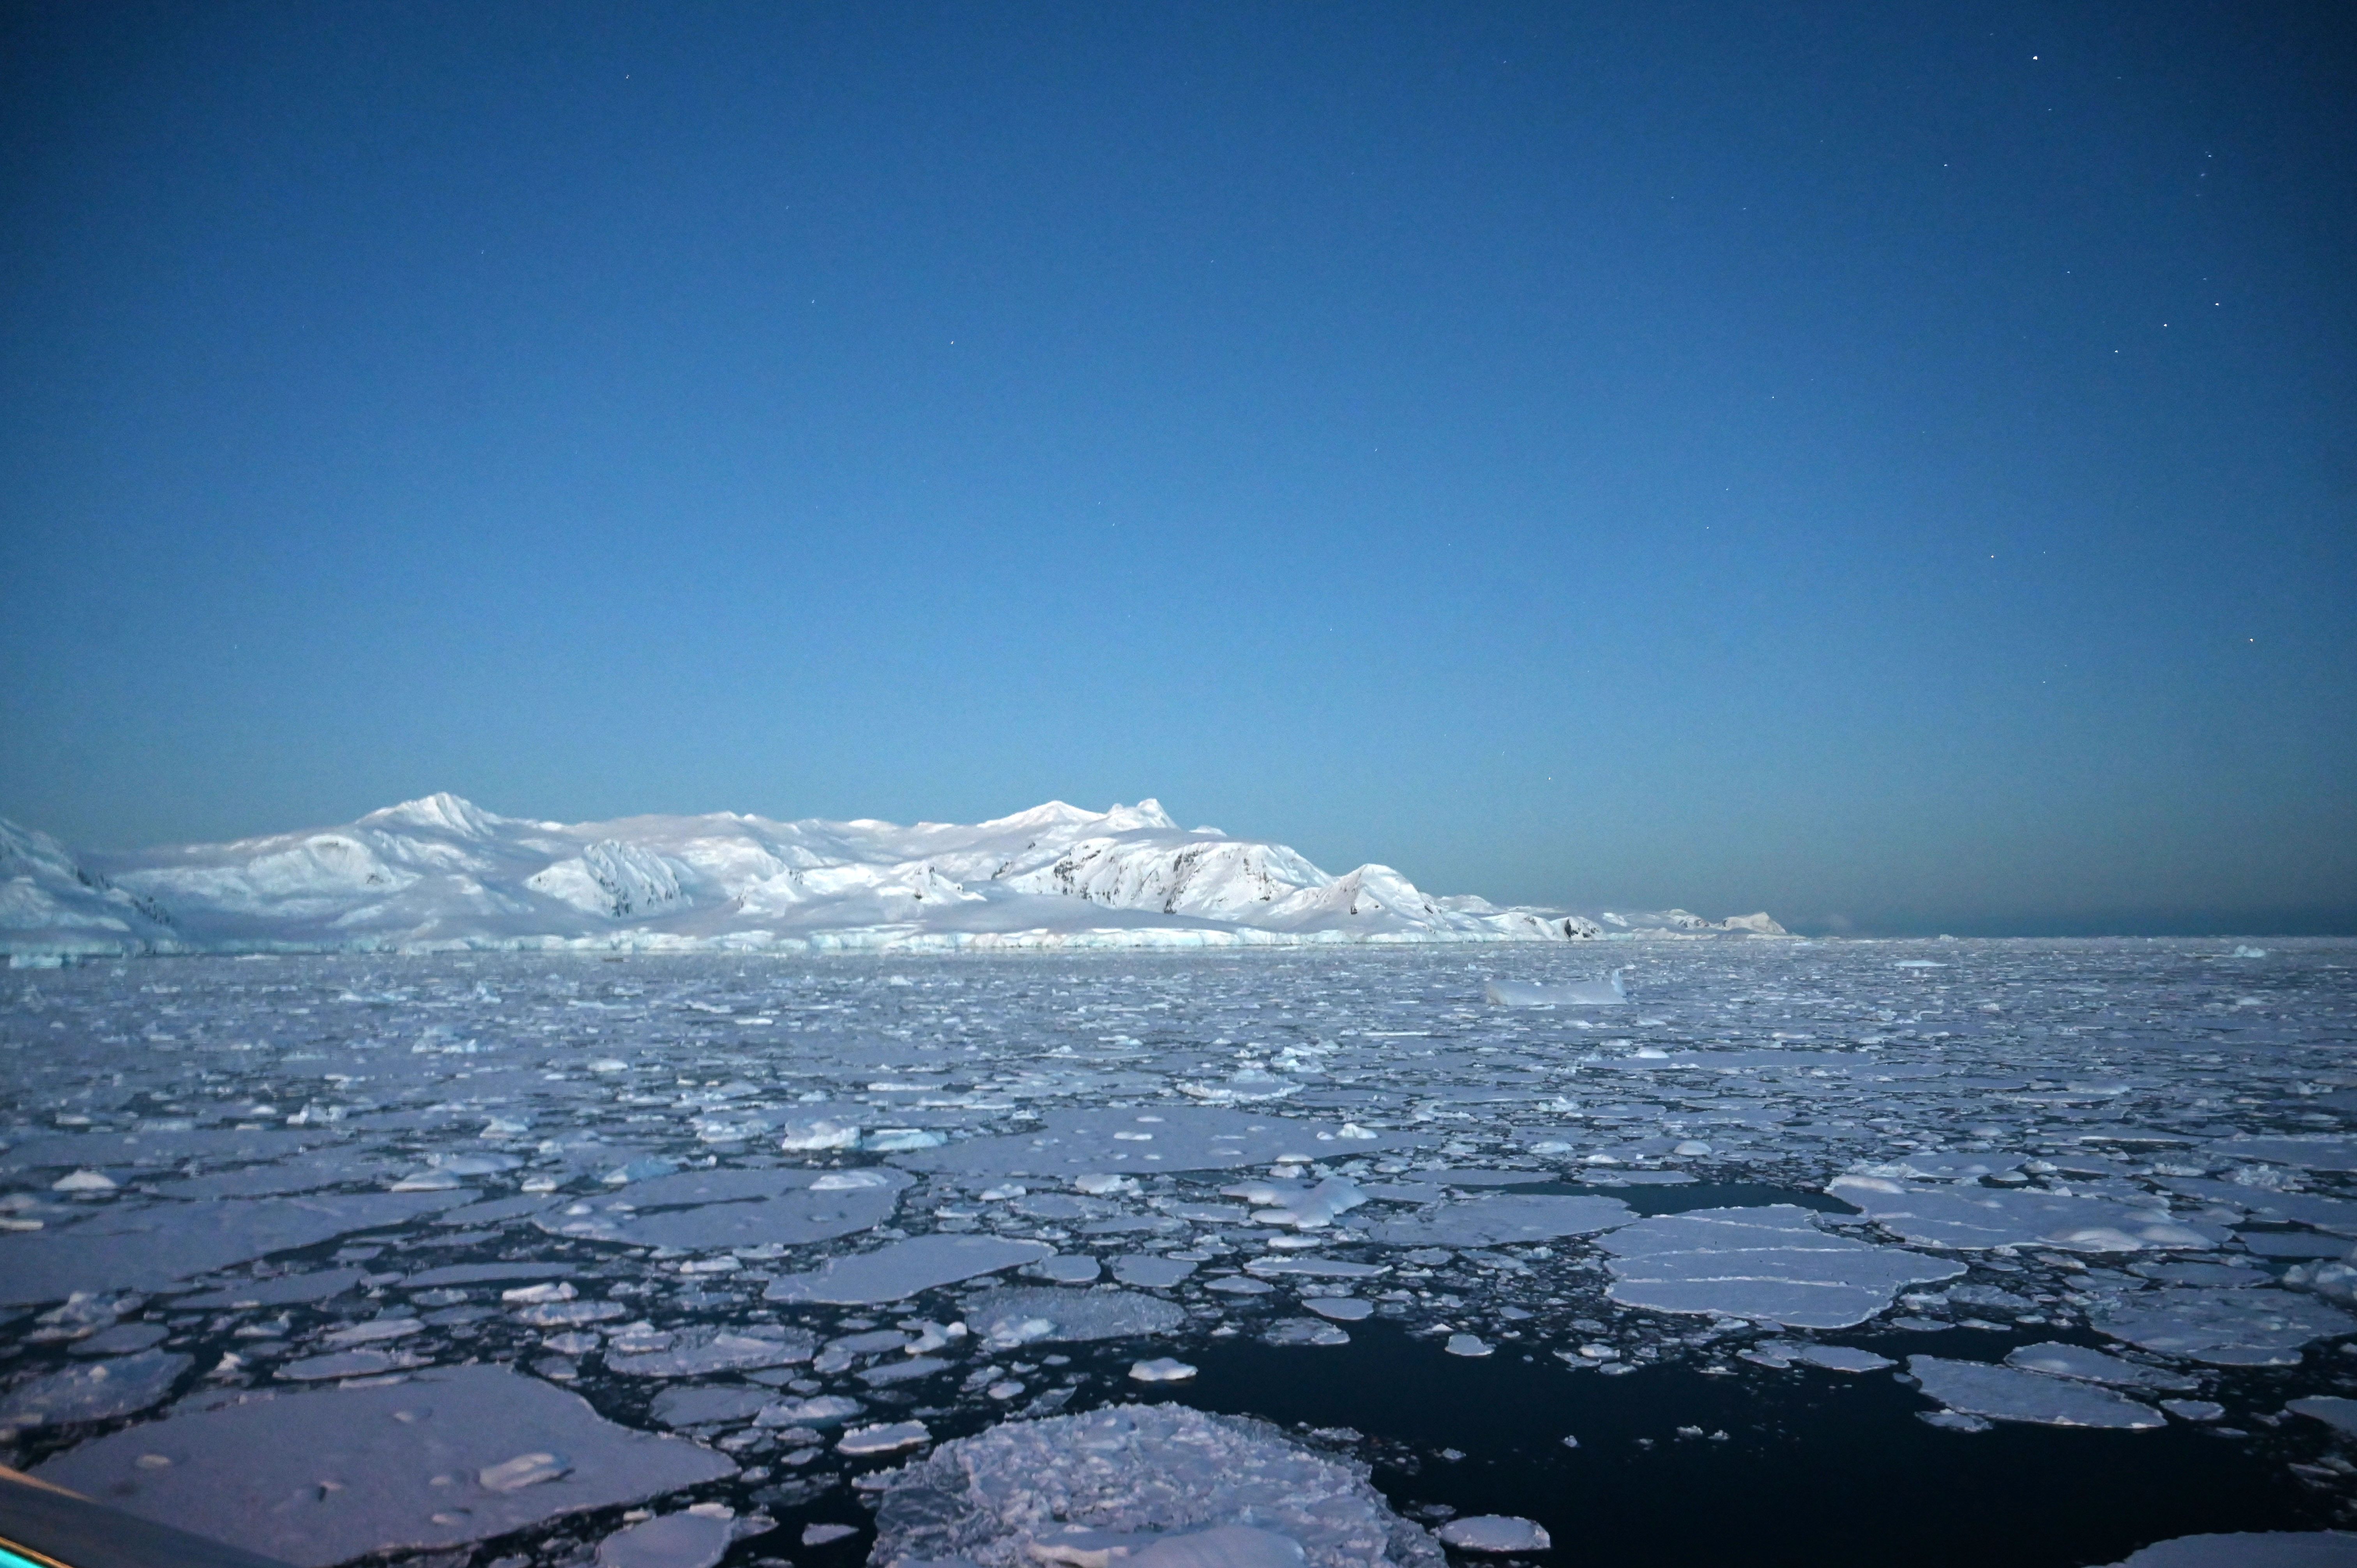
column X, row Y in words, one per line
column 1340, row 1308
column 2255, row 1548
column 343, row 1364
column 901, row 1140
column 812, row 1134
column 668, row 1540
column 1304, row 1331
column 1162, row 1369
column 1771, row 1263
column 703, row 1404
column 1608, row 991
column 2007, row 1394
column 1011, row 1315
column 1467, row 1344
column 2335, row 1412
column 1954, row 1421
column 1065, row 1269
column 85, row 1181
column 700, row 1351
column 2323, row 1151
column 101, row 1391
column 2059, row 1360
column 1314, row 1267
column 2251, row 1328
column 286, row 1290
column 712, row 1210
column 1503, row 1217
column 822, row 1409
column 888, row 1438
column 826, row 1534
column 1241, row 1285
column 1941, row 1168
column 372, row 1331
column 1289, row 1203
column 151, row 1245
column 1495, row 1532
column 321, row 1478
column 1165, row 1477
column 1075, row 1142
column 901, row 1269
column 1153, row 1273
column 1831, row 1357
column 1967, row 1218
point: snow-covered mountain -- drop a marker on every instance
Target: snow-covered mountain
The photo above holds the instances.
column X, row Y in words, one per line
column 50, row 902
column 444, row 873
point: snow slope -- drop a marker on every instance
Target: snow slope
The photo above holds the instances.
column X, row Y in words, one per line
column 443, row 873
column 51, row 907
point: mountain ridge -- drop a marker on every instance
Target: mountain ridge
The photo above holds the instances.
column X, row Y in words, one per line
column 441, row 873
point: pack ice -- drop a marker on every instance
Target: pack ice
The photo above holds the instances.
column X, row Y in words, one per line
column 793, row 1220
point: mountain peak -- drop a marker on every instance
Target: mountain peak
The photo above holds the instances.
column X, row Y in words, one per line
column 438, row 812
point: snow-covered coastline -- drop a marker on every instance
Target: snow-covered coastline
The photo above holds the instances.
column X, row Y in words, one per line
column 441, row 874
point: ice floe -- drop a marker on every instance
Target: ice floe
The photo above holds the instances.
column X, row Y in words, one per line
column 901, row 1269
column 1773, row 1265
column 2257, row 1328
column 1144, row 1486
column 2008, row 1393
column 316, row 1478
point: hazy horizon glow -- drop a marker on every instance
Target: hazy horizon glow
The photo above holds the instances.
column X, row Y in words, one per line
column 1890, row 469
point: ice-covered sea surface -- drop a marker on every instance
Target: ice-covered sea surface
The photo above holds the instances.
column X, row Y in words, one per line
column 2031, row 1252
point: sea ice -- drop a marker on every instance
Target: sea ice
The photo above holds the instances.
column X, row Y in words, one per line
column 702, row 1404
column 700, row 1351
column 1495, row 1533
column 1969, row 1217
column 1021, row 1314
column 2252, row 1328
column 898, row 1270
column 1162, row 1369
column 681, row 1539
column 100, row 1390
column 2059, row 1360
column 1502, row 1217
column 2334, row 1411
column 2007, row 1394
column 1142, row 1480
column 1153, row 1273
column 148, row 1246
column 1172, row 1138
column 710, row 1210
column 319, row 1477
column 2258, row 1549
column 1304, row 1331
column 1773, row 1265
column 1607, row 992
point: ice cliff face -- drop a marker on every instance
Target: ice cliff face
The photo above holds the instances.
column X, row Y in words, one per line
column 443, row 873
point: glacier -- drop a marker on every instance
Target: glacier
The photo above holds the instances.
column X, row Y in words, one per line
column 441, row 874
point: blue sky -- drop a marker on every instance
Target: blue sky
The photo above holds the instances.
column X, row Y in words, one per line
column 1890, row 466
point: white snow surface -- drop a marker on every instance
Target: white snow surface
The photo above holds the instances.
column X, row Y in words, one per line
column 442, row 873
